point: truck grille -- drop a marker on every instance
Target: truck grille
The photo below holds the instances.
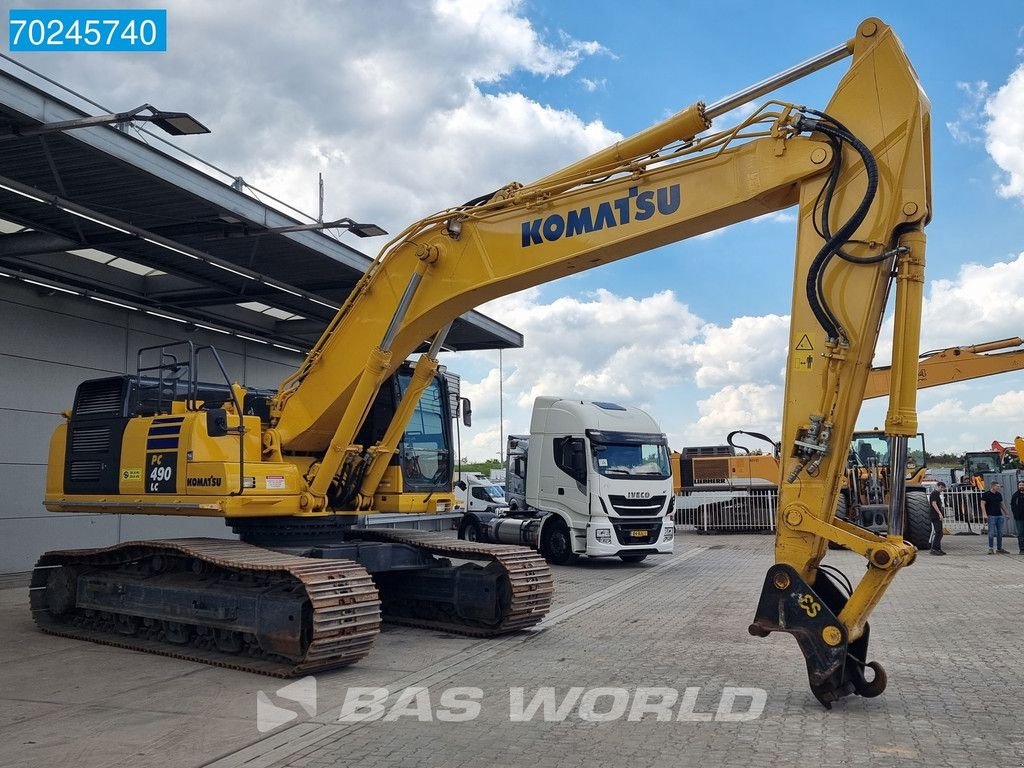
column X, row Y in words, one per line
column 637, row 533
column 650, row 507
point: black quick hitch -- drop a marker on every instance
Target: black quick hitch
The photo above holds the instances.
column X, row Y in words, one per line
column 835, row 666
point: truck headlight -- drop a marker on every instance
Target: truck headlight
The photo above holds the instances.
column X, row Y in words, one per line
column 603, row 535
column 670, row 532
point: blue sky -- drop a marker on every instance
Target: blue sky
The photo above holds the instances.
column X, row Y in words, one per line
column 663, row 56
column 410, row 107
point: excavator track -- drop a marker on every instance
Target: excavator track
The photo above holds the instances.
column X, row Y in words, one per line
column 529, row 579
column 336, row 600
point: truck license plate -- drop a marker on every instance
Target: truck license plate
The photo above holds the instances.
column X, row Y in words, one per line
column 638, row 534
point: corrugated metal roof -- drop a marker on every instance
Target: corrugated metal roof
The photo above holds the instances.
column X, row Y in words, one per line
column 113, row 179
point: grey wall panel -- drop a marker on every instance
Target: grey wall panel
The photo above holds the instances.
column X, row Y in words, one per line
column 26, row 436
column 266, row 373
column 35, row 333
column 62, row 304
column 23, row 540
column 234, row 364
column 21, row 491
column 39, row 385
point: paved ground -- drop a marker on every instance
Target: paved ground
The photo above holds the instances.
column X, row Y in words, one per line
column 949, row 633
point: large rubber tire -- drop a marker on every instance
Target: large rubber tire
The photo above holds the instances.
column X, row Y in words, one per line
column 917, row 526
column 556, row 543
column 632, row 558
column 470, row 531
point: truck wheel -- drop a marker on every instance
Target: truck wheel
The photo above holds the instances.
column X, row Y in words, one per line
column 632, row 558
column 556, row 543
column 917, row 526
column 470, row 531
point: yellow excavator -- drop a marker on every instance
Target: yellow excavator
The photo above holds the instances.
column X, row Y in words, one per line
column 292, row 471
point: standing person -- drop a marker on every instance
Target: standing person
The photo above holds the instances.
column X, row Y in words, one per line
column 992, row 506
column 1017, row 506
column 938, row 516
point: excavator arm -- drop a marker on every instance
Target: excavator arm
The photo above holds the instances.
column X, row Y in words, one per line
column 859, row 171
column 952, row 364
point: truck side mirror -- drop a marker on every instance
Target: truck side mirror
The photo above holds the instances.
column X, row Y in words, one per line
column 578, row 460
column 467, row 412
column 579, row 467
column 461, row 485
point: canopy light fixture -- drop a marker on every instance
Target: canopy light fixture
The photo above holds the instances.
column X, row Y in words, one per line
column 356, row 228
column 174, row 123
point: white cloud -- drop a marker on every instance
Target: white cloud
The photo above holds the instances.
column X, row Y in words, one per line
column 968, row 128
column 1005, row 133
column 500, row 39
column 635, row 351
column 386, row 101
column 752, row 407
column 954, row 425
column 750, row 349
column 984, row 302
column 601, row 345
column 598, row 346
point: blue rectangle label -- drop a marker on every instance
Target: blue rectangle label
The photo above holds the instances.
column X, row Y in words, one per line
column 103, row 29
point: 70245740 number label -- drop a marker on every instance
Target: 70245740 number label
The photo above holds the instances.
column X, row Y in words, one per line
column 87, row 30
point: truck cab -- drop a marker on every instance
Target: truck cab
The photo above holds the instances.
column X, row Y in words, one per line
column 476, row 493
column 591, row 479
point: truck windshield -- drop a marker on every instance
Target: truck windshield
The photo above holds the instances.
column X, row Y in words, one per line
column 639, row 456
column 495, row 493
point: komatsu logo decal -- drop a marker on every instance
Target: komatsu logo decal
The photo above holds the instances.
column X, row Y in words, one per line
column 635, row 206
column 204, row 482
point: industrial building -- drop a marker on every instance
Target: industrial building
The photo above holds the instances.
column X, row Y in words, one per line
column 112, row 240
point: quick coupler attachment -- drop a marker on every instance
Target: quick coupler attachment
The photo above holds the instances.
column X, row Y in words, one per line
column 835, row 666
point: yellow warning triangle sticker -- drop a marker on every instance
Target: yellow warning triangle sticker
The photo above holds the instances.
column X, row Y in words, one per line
column 804, row 345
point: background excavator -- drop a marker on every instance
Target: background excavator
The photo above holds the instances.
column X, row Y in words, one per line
column 865, row 499
column 293, row 470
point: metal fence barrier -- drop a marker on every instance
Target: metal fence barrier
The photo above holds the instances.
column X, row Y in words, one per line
column 754, row 510
column 723, row 511
column 963, row 515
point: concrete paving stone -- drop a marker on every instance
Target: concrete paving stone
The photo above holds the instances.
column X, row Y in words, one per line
column 112, row 737
column 947, row 633
column 14, row 712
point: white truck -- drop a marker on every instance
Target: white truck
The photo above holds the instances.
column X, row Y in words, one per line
column 596, row 483
column 476, row 493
